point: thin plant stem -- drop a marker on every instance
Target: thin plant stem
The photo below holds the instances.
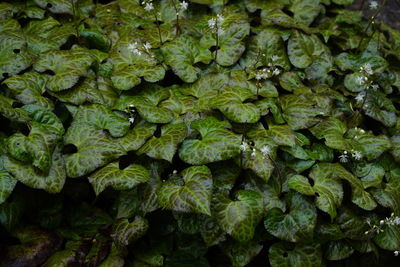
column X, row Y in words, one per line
column 371, row 21
column 158, row 27
column 177, row 26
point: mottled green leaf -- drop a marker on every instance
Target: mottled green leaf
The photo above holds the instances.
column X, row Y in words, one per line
column 182, row 53
column 239, row 217
column 284, row 255
column 189, row 191
column 125, row 232
column 129, row 67
column 112, row 176
column 165, row 146
column 217, row 142
column 297, row 224
column 52, row 182
column 230, row 103
column 95, row 148
column 67, row 65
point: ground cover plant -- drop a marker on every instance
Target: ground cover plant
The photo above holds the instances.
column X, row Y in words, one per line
column 198, row 133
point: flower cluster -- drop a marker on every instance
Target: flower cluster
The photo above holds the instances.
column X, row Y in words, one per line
column 183, row 6
column 215, row 24
column 148, row 5
column 138, row 49
column 267, row 73
column 390, row 221
column 265, row 150
column 365, row 72
column 345, row 157
column 373, row 5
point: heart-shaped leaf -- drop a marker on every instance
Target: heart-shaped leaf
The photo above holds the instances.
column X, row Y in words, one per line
column 67, row 65
column 165, row 146
column 52, row 182
column 283, row 254
column 95, row 148
column 297, row 224
column 217, row 142
column 230, row 103
column 112, row 176
column 239, row 217
column 188, row 192
column 132, row 60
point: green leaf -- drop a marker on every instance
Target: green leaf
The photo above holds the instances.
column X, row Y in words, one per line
column 165, row 146
column 297, row 224
column 283, row 255
column 301, row 111
column 239, row 217
column 148, row 104
column 111, row 175
column 125, row 232
column 217, row 142
column 68, row 66
column 102, row 118
column 129, row 67
column 52, row 182
column 270, row 43
column 235, row 28
column 305, row 11
column 137, row 136
column 188, row 192
column 182, row 53
column 230, row 103
column 338, row 250
column 380, row 108
column 13, row 54
column 38, row 146
column 95, row 148
column 395, row 147
column 28, row 88
column 241, row 254
column 7, row 183
column 57, row 6
column 304, row 49
column 389, row 238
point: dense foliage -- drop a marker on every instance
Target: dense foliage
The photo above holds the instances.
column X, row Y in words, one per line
column 209, row 132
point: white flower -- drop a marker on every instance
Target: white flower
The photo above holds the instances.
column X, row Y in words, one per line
column 211, row 23
column 374, row 5
column 396, row 253
column 220, row 19
column 367, row 69
column 221, row 31
column 276, row 72
column 356, row 155
column 274, row 58
column 375, row 86
column 361, row 79
column 175, row 172
column 133, row 47
column 244, row 146
column 184, row 5
column 360, row 97
column 253, row 154
column 343, row 158
column 147, row 46
column 396, row 220
column 266, row 150
column 131, row 120
column 149, row 7
column 259, row 76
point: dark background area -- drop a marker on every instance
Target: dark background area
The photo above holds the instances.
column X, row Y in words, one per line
column 390, row 13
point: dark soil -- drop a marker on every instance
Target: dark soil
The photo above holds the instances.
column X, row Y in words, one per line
column 389, row 15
